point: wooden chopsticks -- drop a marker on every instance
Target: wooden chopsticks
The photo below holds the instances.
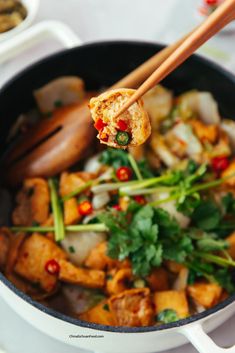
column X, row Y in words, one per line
column 183, row 49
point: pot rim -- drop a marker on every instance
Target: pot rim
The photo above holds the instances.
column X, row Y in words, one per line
column 89, row 325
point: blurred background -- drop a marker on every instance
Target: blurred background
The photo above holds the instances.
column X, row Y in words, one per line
column 149, row 20
column 96, row 20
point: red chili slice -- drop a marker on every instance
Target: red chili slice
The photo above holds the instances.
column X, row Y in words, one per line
column 122, row 125
column 211, row 2
column 85, row 208
column 220, row 163
column 140, row 199
column 99, row 124
column 117, row 207
column 103, row 136
column 52, row 267
column 124, row 173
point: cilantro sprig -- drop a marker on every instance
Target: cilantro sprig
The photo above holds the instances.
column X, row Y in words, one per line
column 147, row 236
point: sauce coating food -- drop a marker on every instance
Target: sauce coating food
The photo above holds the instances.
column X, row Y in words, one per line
column 132, row 128
column 136, row 237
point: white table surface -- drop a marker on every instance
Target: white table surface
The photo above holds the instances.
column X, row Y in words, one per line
column 92, row 20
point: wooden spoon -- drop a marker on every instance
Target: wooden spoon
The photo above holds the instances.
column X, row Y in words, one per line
column 213, row 24
column 55, row 144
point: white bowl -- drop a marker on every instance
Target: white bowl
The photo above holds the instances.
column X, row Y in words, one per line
column 32, row 7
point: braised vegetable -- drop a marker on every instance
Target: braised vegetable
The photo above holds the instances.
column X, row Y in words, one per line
column 138, row 237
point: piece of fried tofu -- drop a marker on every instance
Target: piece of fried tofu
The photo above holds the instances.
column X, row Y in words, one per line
column 99, row 260
column 205, row 294
column 230, row 174
column 132, row 307
column 81, row 276
column 71, row 213
column 33, row 256
column 99, row 314
column 4, row 246
column 231, row 240
column 119, row 281
column 32, row 203
column 171, row 299
column 158, row 279
column 134, row 123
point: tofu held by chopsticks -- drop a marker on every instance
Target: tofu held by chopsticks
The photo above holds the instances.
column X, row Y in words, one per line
column 132, row 128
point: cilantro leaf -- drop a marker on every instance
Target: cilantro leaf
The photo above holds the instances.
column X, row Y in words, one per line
column 145, row 169
column 224, row 279
column 114, row 157
column 188, row 205
column 206, row 216
column 228, row 203
column 134, row 236
column 168, row 226
column 178, row 249
column 119, row 158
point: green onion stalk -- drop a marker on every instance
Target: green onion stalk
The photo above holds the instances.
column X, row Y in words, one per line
column 57, row 212
column 97, row 227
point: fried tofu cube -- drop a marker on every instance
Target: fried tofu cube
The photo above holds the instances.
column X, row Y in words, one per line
column 70, row 182
column 119, row 281
column 33, row 256
column 132, row 307
column 158, row 280
column 81, row 276
column 32, row 203
column 132, row 128
column 4, row 246
column 231, row 240
column 205, row 132
column 99, row 260
column 230, row 171
column 205, row 294
column 99, row 314
column 171, row 299
column 71, row 213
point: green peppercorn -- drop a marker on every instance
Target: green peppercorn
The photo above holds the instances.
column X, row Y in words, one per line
column 122, row 138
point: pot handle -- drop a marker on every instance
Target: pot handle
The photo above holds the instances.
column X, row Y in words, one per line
column 201, row 341
column 36, row 33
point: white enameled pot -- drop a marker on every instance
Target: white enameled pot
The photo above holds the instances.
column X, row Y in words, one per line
column 101, row 339
column 97, row 338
